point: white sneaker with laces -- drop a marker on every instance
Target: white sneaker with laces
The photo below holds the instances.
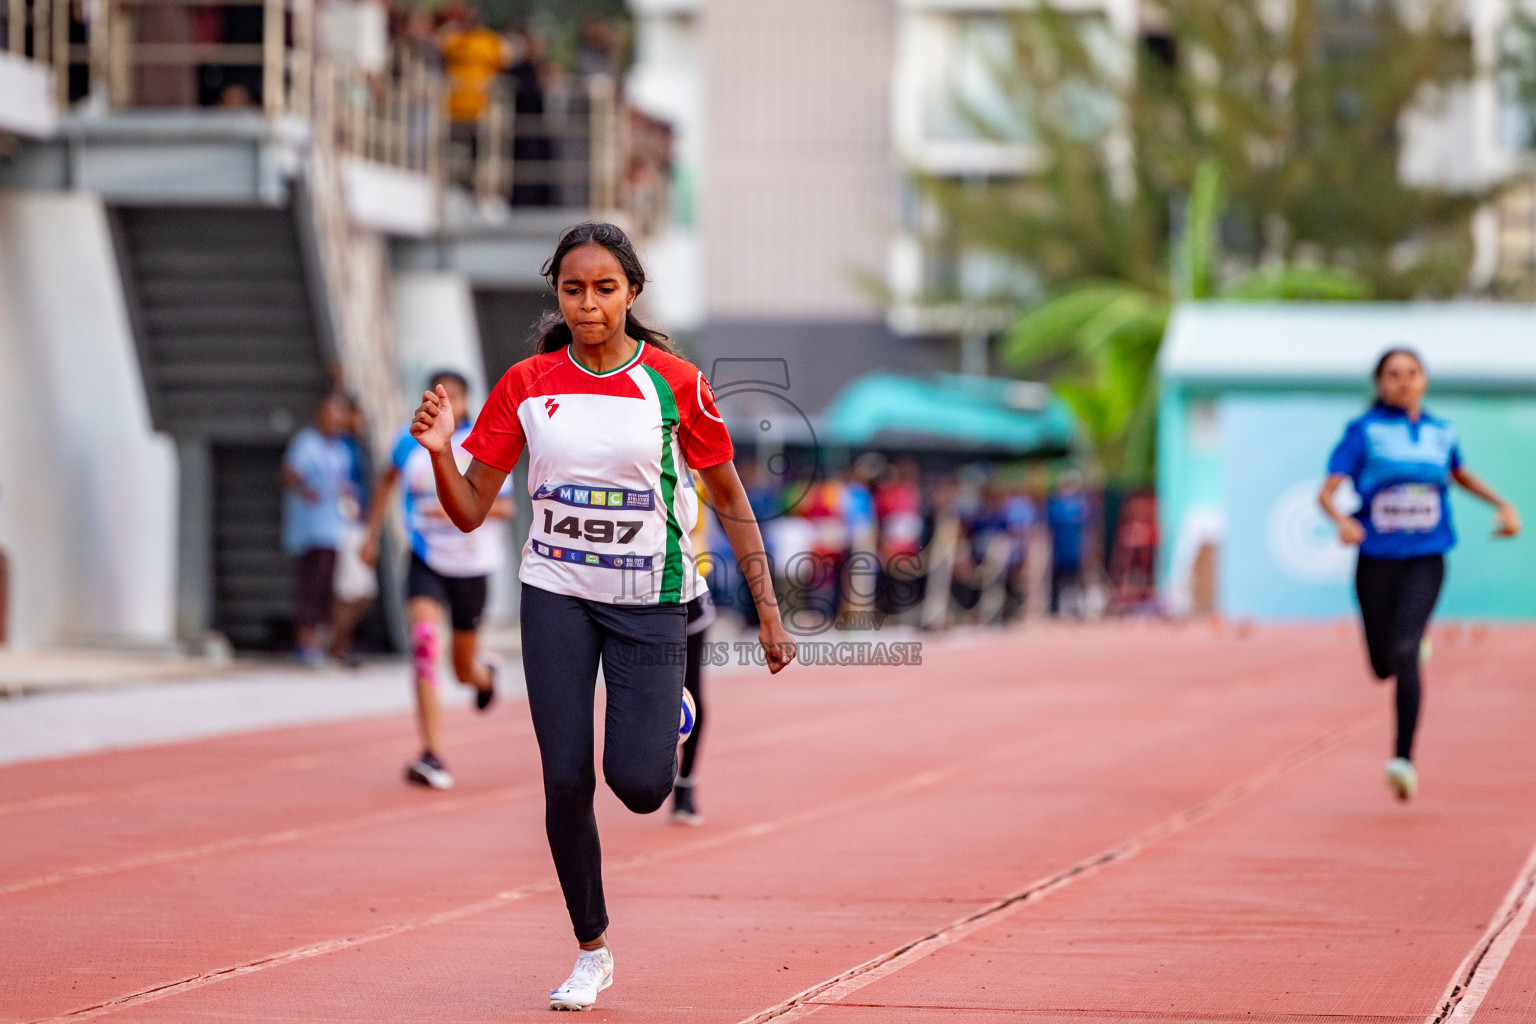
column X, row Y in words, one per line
column 592, row 974
column 430, row 772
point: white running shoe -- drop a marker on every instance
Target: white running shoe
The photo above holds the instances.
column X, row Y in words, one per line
column 592, row 974
column 428, row 771
column 1401, row 778
column 683, row 810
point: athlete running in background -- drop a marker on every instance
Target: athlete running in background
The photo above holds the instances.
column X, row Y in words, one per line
column 1401, row 461
column 448, row 574
column 701, row 615
column 612, row 421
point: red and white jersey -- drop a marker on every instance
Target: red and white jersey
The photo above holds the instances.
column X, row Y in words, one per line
column 608, row 461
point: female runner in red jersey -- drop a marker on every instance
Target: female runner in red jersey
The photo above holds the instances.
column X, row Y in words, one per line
column 612, row 422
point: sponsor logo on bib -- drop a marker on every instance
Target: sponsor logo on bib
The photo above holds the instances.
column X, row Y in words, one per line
column 594, row 558
column 594, row 497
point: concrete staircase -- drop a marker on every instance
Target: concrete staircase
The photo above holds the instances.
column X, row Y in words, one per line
column 225, row 318
column 235, row 352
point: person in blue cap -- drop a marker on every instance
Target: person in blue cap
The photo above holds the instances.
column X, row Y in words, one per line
column 1401, row 461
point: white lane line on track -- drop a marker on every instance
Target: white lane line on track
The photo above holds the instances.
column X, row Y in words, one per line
column 922, row 780
column 287, row 835
column 290, row 835
column 205, row 777
column 1477, row 973
column 834, row 990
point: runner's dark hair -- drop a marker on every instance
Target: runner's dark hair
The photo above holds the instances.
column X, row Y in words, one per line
column 448, row 377
column 551, row 333
column 1381, row 365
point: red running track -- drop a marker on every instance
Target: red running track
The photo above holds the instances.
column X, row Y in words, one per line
column 1110, row 824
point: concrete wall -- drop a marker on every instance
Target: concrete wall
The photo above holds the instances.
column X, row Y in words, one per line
column 26, row 106
column 87, row 490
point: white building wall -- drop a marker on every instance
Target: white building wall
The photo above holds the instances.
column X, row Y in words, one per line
column 799, row 178
column 87, row 489
column 666, row 82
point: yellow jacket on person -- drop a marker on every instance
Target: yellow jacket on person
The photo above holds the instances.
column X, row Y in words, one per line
column 473, row 59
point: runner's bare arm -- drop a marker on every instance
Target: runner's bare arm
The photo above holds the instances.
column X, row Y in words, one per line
column 466, row 497
column 1350, row 530
column 1506, row 522
column 740, row 525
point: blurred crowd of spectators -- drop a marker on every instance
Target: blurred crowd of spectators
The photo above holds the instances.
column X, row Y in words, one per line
column 883, row 540
column 878, row 541
column 541, row 104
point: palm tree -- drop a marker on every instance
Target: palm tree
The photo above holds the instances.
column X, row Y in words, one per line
column 1099, row 340
column 1276, row 124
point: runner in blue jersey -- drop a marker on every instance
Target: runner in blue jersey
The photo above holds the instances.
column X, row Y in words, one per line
column 448, row 576
column 1401, row 461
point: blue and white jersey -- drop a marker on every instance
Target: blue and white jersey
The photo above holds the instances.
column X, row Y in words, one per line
column 436, row 541
column 1402, row 472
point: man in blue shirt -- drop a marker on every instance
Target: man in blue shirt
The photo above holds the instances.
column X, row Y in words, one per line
column 319, row 492
column 1067, row 512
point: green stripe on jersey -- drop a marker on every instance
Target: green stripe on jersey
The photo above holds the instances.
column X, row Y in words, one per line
column 672, row 567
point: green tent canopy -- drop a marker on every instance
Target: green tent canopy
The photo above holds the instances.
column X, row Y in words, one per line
column 985, row 415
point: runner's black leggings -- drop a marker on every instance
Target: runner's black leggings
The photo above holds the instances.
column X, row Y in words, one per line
column 1397, row 596
column 642, row 650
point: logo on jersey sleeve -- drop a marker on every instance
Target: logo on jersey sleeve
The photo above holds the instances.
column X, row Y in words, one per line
column 706, row 396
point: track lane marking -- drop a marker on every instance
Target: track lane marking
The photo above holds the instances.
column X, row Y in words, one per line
column 1477, row 973
column 762, row 737
column 278, row 838
column 192, row 779
column 832, row 991
column 302, row 761
column 922, row 780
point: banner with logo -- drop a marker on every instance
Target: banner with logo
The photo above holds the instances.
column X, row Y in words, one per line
column 1281, row 558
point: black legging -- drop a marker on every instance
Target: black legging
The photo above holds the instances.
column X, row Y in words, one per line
column 641, row 649
column 1397, row 596
column 693, row 682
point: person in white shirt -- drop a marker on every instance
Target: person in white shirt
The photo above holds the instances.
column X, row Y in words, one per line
column 448, row 573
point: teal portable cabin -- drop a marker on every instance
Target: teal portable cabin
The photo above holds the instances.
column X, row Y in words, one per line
column 1253, row 398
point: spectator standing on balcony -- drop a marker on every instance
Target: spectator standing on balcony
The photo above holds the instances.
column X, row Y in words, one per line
column 473, row 56
column 418, row 32
column 597, row 48
column 317, row 476
column 533, row 151
column 239, row 24
column 1067, row 511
